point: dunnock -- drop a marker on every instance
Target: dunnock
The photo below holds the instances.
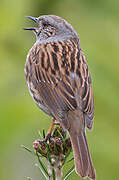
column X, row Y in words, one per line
column 59, row 81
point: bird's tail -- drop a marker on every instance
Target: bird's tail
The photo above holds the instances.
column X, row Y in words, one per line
column 82, row 158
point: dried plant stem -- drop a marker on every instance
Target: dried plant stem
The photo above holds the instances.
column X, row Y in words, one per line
column 55, row 166
column 56, row 149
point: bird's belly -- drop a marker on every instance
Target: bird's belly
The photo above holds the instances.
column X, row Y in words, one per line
column 38, row 101
column 43, row 108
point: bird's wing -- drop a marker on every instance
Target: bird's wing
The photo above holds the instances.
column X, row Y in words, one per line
column 86, row 92
column 59, row 73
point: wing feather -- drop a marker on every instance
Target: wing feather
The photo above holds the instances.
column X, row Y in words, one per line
column 59, row 80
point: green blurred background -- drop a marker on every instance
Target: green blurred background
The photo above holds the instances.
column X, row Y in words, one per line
column 97, row 23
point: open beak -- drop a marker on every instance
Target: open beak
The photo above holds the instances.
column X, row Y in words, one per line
column 33, row 19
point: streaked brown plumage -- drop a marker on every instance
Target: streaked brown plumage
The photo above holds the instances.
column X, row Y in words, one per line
column 59, row 82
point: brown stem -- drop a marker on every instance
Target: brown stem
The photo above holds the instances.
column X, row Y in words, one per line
column 57, row 165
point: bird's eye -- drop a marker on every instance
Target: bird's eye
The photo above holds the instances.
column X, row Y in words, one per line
column 45, row 24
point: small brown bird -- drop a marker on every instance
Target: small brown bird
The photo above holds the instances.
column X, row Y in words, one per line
column 59, row 81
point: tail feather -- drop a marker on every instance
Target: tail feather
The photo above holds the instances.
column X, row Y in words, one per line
column 91, row 174
column 83, row 162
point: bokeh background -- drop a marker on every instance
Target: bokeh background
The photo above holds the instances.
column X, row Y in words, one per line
column 97, row 23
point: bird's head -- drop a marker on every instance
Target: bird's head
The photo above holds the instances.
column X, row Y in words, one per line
column 51, row 26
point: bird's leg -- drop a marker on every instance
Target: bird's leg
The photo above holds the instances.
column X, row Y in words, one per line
column 54, row 122
column 50, row 129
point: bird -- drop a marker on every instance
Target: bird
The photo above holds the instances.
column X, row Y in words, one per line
column 60, row 83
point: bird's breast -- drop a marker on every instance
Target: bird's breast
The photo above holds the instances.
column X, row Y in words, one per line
column 51, row 63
